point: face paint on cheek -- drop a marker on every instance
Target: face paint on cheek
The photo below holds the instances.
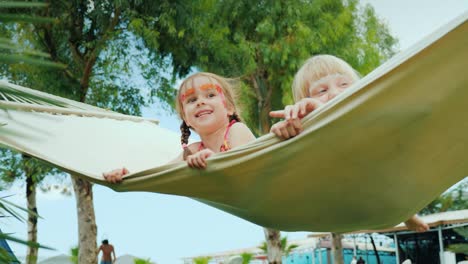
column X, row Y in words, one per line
column 220, row 91
column 187, row 93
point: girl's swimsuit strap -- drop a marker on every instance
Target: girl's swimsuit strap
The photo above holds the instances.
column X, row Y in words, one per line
column 225, row 146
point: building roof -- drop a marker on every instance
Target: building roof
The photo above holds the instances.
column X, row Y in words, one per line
column 433, row 220
column 316, row 239
column 60, row 259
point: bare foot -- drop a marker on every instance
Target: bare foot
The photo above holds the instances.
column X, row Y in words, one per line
column 416, row 224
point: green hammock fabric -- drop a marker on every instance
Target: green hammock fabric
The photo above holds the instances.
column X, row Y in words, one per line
column 370, row 158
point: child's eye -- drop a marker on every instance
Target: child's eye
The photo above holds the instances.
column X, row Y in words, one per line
column 191, row 99
column 211, row 95
column 344, row 84
column 322, row 90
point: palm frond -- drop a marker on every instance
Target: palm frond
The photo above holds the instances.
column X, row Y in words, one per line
column 458, row 248
column 24, row 58
column 25, row 18
column 21, row 241
column 6, row 257
column 18, row 55
column 462, row 231
column 8, row 208
column 20, row 4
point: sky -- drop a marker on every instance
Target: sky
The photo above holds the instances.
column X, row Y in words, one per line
column 167, row 228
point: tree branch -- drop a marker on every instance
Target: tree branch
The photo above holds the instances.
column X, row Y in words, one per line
column 94, row 53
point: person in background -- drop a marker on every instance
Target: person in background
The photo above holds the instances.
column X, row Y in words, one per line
column 107, row 252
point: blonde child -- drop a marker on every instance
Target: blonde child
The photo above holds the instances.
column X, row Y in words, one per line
column 206, row 105
column 319, row 80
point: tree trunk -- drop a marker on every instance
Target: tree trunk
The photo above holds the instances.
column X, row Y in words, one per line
column 375, row 249
column 87, row 228
column 32, row 252
column 264, row 118
column 337, row 248
column 273, row 240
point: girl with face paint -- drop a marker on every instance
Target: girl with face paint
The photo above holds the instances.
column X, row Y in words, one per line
column 206, row 104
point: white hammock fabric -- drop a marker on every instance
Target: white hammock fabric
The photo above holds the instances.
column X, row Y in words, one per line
column 369, row 159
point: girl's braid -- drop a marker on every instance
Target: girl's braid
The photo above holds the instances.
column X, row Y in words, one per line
column 185, row 131
column 234, row 117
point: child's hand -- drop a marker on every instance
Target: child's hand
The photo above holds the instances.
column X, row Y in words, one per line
column 298, row 110
column 287, row 129
column 198, row 160
column 115, row 176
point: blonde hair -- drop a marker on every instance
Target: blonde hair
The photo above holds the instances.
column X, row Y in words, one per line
column 228, row 86
column 317, row 67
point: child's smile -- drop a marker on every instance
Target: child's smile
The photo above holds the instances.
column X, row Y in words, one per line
column 202, row 113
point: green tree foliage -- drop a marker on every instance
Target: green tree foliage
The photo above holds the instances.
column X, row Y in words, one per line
column 454, row 199
column 12, row 166
column 286, row 248
column 142, row 261
column 246, row 257
column 14, row 11
column 460, row 248
column 201, row 260
column 261, row 42
column 74, row 254
column 95, row 40
column 264, row 43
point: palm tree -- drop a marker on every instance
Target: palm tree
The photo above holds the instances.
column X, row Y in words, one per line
column 285, row 247
column 337, row 248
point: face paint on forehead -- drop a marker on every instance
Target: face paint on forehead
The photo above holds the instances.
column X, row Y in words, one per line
column 209, row 86
column 204, row 87
column 187, row 93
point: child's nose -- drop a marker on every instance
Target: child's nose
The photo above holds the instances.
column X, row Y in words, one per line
column 333, row 91
column 201, row 101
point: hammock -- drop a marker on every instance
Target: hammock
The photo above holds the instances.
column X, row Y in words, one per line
column 368, row 159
